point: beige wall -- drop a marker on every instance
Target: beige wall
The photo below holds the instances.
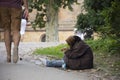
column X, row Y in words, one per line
column 36, row 36
column 32, row 37
column 64, row 34
column 70, row 17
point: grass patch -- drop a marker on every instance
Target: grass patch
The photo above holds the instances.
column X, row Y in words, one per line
column 101, row 45
column 54, row 52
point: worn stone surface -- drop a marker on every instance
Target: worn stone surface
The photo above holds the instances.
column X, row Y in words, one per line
column 30, row 67
column 27, row 70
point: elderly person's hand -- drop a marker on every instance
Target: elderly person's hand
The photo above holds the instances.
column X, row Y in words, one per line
column 64, row 49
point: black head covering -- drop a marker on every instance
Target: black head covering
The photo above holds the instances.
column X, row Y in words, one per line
column 71, row 40
column 77, row 39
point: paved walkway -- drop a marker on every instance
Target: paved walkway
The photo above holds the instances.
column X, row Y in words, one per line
column 26, row 70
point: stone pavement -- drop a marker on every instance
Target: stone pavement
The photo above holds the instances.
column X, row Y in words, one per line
column 27, row 70
column 24, row 70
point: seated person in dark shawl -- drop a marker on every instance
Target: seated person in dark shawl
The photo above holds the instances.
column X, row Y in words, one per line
column 78, row 56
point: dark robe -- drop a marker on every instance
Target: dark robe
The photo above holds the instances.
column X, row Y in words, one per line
column 79, row 56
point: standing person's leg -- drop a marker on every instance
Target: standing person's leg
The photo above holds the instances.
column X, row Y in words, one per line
column 15, row 28
column 5, row 23
column 7, row 38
